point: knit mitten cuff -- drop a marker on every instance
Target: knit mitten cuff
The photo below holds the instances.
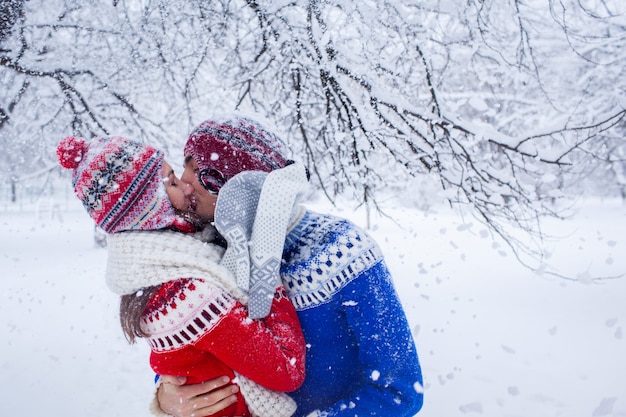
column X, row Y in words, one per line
column 264, row 402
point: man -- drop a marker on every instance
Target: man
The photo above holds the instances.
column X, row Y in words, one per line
column 361, row 357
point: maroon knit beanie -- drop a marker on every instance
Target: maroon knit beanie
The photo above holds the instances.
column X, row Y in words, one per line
column 223, row 149
column 120, row 183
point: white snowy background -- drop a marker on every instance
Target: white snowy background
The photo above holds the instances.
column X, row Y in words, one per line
column 494, row 338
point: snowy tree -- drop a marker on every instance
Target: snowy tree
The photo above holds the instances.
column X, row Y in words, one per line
column 506, row 104
column 474, row 95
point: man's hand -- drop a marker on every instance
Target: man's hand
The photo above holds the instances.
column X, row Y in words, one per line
column 199, row 400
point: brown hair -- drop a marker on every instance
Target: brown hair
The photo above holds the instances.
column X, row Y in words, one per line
column 132, row 307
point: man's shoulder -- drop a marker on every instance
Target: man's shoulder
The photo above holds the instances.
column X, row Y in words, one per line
column 325, row 253
column 321, row 230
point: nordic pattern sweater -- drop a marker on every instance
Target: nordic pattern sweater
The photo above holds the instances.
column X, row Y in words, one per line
column 361, row 358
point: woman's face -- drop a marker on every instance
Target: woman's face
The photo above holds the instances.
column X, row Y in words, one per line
column 180, row 194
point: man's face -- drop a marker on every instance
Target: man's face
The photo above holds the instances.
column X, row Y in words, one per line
column 204, row 200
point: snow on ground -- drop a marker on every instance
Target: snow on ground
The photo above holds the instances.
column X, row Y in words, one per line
column 495, row 339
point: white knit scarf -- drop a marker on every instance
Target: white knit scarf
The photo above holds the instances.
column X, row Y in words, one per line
column 139, row 259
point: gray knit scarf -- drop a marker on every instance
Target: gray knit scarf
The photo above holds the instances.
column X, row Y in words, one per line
column 254, row 209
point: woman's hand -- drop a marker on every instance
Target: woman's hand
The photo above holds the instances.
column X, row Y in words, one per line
column 198, row 400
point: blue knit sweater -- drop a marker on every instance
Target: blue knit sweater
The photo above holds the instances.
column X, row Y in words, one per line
column 361, row 357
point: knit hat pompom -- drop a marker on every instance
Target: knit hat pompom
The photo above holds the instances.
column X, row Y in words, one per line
column 223, row 148
column 70, row 151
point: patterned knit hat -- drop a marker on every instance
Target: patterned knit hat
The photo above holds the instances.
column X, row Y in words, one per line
column 120, row 183
column 223, row 149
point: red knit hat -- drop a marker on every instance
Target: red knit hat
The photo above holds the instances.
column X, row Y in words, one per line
column 223, row 149
column 120, row 183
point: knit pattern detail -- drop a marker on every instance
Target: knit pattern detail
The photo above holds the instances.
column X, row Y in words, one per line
column 234, row 145
column 234, row 218
column 182, row 311
column 142, row 203
column 322, row 255
column 253, row 211
column 120, row 183
column 263, row 402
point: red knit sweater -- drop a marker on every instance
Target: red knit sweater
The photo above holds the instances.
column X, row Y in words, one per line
column 200, row 332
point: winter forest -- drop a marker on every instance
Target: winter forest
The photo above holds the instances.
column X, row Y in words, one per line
column 507, row 108
column 509, row 112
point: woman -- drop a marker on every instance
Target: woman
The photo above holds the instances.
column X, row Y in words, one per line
column 173, row 291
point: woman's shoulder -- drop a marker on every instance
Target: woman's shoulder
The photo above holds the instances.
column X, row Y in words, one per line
column 182, row 310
